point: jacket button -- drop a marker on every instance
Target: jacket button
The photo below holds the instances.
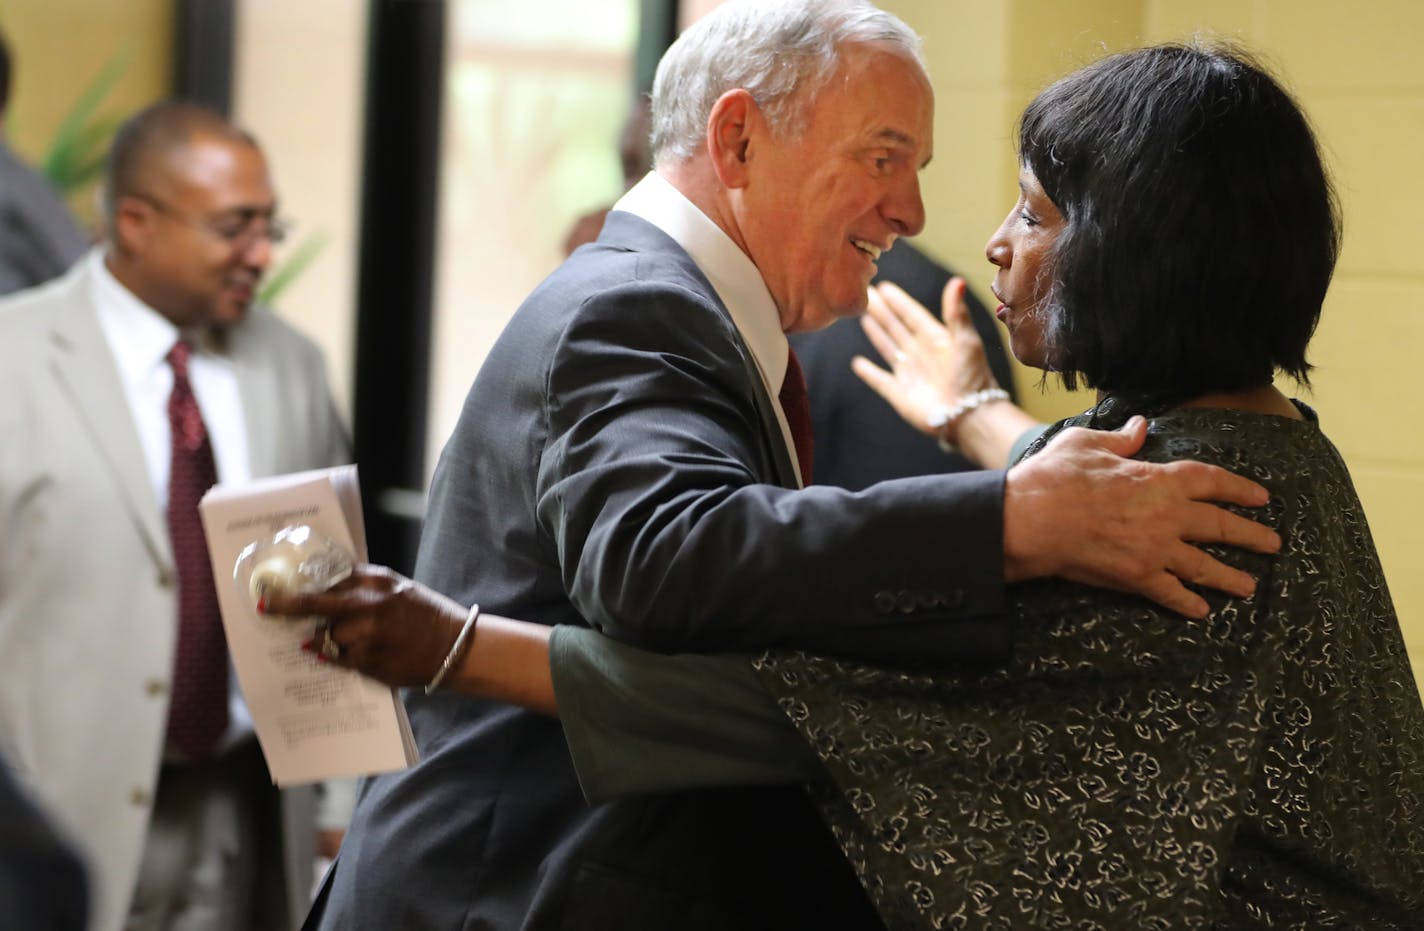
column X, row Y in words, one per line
column 884, row 602
column 907, row 602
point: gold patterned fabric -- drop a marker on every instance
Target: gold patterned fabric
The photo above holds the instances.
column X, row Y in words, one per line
column 1262, row 768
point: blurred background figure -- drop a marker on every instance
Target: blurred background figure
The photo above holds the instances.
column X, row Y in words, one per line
column 38, row 237
column 133, row 383
column 636, row 160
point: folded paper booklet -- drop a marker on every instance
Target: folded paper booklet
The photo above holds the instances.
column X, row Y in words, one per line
column 315, row 721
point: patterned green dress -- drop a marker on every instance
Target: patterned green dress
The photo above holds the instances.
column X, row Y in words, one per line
column 1262, row 768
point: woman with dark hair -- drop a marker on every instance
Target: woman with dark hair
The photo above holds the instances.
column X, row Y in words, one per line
column 1191, row 232
column 1263, row 767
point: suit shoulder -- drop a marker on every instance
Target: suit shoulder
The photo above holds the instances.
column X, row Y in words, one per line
column 33, row 305
column 614, row 273
column 651, row 312
column 262, row 328
column 27, row 317
column 636, row 255
column 605, row 289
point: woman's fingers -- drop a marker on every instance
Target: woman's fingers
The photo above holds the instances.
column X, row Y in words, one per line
column 883, row 343
column 955, row 310
column 910, row 313
column 892, row 323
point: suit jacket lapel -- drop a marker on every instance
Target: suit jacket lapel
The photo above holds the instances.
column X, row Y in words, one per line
column 257, row 386
column 87, row 378
column 626, row 231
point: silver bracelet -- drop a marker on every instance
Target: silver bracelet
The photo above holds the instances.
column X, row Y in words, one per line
column 943, row 417
column 457, row 649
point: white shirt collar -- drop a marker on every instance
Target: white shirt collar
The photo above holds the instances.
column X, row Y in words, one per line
column 139, row 335
column 732, row 274
column 139, row 339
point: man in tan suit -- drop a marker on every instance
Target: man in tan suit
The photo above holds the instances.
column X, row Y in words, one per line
column 179, row 833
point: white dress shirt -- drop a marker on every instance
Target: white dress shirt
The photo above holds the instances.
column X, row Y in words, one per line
column 732, row 274
column 140, row 338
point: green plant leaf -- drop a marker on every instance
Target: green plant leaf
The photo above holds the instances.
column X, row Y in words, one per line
column 83, row 158
column 303, row 254
column 80, row 136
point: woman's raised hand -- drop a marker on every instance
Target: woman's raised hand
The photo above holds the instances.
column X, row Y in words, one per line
column 933, row 366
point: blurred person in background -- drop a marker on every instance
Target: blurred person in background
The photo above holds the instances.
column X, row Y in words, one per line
column 634, row 157
column 128, row 387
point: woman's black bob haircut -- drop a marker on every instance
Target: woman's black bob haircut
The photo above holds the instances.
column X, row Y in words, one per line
column 1201, row 228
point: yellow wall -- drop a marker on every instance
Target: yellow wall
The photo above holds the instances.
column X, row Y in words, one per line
column 299, row 87
column 1359, row 73
column 58, row 47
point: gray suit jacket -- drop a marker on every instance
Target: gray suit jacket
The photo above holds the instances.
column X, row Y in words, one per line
column 38, row 237
column 87, row 595
column 617, row 463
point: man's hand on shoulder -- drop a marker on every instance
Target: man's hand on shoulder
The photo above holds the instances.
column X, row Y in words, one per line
column 1083, row 511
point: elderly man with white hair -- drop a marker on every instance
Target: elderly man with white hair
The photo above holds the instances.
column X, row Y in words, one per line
column 632, row 456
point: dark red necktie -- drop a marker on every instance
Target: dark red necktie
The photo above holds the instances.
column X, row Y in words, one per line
column 797, row 405
column 198, row 715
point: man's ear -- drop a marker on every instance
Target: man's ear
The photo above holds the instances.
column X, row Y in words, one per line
column 734, row 120
column 133, row 223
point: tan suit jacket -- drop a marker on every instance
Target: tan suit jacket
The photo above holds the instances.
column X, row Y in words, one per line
column 87, row 595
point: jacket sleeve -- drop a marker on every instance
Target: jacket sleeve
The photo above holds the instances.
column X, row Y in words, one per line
column 639, row 722
column 656, row 487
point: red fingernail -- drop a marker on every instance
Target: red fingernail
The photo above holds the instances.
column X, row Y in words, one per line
column 262, row 605
column 309, row 645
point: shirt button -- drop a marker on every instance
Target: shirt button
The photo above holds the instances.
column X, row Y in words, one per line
column 165, row 579
column 138, row 796
column 155, row 687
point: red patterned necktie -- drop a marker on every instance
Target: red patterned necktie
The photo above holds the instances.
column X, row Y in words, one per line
column 198, row 715
column 797, row 405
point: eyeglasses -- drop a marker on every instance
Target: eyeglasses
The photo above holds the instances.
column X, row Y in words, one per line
column 240, row 231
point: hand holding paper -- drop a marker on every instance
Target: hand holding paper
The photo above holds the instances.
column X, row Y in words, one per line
column 384, row 626
column 314, row 721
